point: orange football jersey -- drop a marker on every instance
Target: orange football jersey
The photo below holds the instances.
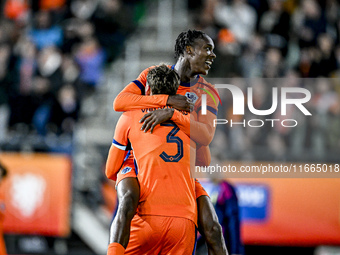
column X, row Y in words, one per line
column 162, row 164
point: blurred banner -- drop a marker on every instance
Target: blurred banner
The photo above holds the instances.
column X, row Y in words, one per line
column 37, row 194
column 293, row 212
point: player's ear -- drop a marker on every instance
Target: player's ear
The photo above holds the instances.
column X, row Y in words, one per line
column 189, row 50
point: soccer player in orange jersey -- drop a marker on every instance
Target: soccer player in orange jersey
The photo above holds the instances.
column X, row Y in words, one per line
column 167, row 213
column 194, row 52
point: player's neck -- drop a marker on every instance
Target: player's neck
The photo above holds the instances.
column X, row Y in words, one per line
column 182, row 67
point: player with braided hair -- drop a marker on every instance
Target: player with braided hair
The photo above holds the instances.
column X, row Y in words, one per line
column 186, row 39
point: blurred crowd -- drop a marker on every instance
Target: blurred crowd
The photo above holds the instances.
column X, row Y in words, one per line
column 289, row 40
column 53, row 55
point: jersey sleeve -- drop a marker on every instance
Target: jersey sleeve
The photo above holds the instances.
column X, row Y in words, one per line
column 202, row 131
column 133, row 97
column 182, row 121
column 119, row 147
column 200, row 191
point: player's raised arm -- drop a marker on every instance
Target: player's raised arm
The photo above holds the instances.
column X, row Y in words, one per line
column 133, row 97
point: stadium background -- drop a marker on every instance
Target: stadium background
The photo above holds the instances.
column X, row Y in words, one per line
column 62, row 64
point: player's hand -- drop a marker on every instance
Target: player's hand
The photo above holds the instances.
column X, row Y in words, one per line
column 181, row 103
column 154, row 118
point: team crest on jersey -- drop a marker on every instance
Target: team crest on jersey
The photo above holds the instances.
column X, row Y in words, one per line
column 126, row 170
column 192, row 96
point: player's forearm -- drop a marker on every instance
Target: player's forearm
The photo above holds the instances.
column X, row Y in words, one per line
column 209, row 227
column 126, row 101
column 120, row 231
column 128, row 196
column 216, row 247
column 182, row 121
column 199, row 132
column 120, row 228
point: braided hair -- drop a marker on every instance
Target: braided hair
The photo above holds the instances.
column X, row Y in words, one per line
column 186, row 38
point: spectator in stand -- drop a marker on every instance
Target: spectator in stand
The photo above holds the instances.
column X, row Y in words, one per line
column 83, row 9
column 275, row 24
column 114, row 21
column 27, row 65
column 324, row 101
column 309, row 22
column 324, row 63
column 40, row 105
column 49, row 62
column 71, row 35
column 90, row 58
column 19, row 90
column 70, row 71
column 251, row 64
column 16, row 9
column 22, row 85
column 239, row 17
column 5, row 83
column 65, row 111
column 44, row 33
column 273, row 64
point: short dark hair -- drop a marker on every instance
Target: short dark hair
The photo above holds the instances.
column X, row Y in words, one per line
column 163, row 80
column 186, row 38
column 3, row 171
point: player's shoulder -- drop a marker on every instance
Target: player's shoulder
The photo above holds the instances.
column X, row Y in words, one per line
column 126, row 116
column 203, row 83
column 132, row 113
column 129, row 117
